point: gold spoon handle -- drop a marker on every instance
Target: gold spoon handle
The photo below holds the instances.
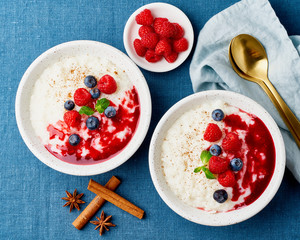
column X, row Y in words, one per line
column 285, row 112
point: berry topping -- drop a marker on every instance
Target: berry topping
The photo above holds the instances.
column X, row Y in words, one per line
column 90, row 81
column 95, row 92
column 144, row 17
column 139, row 48
column 172, row 57
column 236, row 164
column 150, row 40
column 159, row 36
column 82, row 97
column 107, row 84
column 220, row 196
column 110, row 112
column 231, row 142
column 69, row 105
column 217, row 115
column 163, row 47
column 217, row 165
column 145, row 30
column 72, row 118
column 92, row 123
column 215, row 150
column 179, row 31
column 167, row 29
column 74, row 139
column 212, row 133
column 157, row 24
column 180, row 45
column 152, row 57
column 227, row 179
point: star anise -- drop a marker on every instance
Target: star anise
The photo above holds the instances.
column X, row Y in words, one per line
column 73, row 200
column 103, row 223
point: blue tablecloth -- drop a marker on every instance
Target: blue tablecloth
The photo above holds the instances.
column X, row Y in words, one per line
column 30, row 191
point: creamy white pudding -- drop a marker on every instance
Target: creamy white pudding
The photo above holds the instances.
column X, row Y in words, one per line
column 57, row 83
column 184, row 143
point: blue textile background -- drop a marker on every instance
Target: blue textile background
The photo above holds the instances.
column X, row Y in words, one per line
column 30, row 191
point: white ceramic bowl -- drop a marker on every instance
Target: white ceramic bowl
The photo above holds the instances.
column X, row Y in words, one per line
column 72, row 49
column 194, row 214
column 163, row 10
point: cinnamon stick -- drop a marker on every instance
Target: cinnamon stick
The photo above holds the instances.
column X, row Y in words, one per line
column 95, row 205
column 115, row 199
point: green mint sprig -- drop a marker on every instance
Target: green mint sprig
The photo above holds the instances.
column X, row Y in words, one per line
column 86, row 110
column 205, row 156
column 101, row 105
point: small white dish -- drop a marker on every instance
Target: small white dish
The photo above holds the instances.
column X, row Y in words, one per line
column 197, row 215
column 163, row 10
column 70, row 49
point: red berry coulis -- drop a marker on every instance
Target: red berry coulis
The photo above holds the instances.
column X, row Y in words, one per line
column 100, row 144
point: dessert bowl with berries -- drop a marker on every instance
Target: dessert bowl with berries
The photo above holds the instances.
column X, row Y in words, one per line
column 83, row 107
column 217, row 158
column 158, row 37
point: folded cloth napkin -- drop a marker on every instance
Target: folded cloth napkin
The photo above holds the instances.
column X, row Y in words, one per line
column 210, row 67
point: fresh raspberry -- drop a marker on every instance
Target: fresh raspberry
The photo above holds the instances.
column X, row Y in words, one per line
column 167, row 30
column 145, row 30
column 179, row 31
column 144, row 18
column 231, row 142
column 72, row 118
column 151, row 56
column 180, row 45
column 217, row 165
column 107, row 84
column 172, row 57
column 82, row 97
column 163, row 48
column 169, row 40
column 212, row 133
column 227, row 179
column 139, row 48
column 150, row 40
column 157, row 24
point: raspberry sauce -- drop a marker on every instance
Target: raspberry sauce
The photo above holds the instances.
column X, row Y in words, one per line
column 257, row 154
column 101, row 144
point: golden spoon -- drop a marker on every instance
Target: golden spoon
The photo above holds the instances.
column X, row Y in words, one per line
column 249, row 60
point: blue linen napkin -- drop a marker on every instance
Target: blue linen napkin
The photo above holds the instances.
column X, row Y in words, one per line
column 210, row 67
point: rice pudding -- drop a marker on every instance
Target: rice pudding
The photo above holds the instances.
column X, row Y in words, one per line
column 189, row 176
column 57, row 84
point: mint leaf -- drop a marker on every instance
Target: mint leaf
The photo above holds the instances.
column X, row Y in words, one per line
column 208, row 173
column 198, row 169
column 102, row 104
column 205, row 156
column 86, row 110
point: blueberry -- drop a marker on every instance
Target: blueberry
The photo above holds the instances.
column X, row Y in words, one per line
column 110, row 112
column 92, row 123
column 217, row 115
column 90, row 81
column 74, row 139
column 220, row 196
column 215, row 150
column 69, row 105
column 236, row 164
column 95, row 92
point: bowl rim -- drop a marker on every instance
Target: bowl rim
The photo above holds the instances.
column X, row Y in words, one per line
column 85, row 170
column 200, row 217
column 154, row 67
